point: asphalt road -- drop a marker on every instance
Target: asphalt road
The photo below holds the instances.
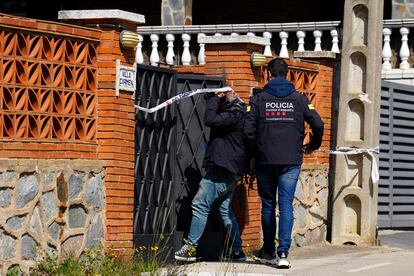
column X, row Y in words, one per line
column 380, row 264
column 397, row 238
column 395, row 257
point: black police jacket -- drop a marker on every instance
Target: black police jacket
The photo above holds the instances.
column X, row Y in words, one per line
column 275, row 124
column 226, row 144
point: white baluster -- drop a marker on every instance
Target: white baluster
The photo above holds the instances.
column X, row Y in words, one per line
column 317, row 34
column 335, row 41
column 404, row 51
column 154, row 57
column 218, row 34
column 386, row 50
column 139, row 57
column 251, row 34
column 186, row 57
column 283, row 50
column 170, row 57
column 201, row 54
column 267, row 51
column 234, row 34
column 301, row 40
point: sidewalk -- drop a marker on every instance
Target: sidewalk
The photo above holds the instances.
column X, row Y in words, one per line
column 304, row 261
column 395, row 257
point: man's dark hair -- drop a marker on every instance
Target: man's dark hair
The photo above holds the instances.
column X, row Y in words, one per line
column 277, row 67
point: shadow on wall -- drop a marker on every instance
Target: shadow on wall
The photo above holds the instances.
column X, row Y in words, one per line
column 185, row 196
column 240, row 206
column 211, row 242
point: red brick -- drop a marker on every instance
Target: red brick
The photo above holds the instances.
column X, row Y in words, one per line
column 120, row 208
column 118, row 244
column 120, row 171
column 64, row 29
column 125, row 229
column 106, row 64
column 119, row 222
column 118, row 215
column 119, row 193
column 110, row 35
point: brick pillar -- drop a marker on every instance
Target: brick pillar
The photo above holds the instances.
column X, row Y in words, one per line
column 115, row 123
column 325, row 90
column 326, row 62
column 230, row 57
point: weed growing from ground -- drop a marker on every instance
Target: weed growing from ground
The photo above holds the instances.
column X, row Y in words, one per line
column 102, row 262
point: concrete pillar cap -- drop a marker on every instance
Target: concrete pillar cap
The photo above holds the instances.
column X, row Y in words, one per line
column 109, row 16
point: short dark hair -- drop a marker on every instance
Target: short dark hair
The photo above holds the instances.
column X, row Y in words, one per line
column 277, row 67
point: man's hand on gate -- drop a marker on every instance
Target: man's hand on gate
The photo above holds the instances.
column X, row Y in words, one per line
column 220, row 94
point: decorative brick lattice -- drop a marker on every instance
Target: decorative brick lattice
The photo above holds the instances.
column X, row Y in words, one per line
column 47, row 87
column 305, row 83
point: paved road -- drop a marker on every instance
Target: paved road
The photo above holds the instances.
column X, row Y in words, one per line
column 397, row 238
column 394, row 258
column 380, row 264
column 389, row 263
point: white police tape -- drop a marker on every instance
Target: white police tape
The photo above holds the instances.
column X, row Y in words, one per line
column 354, row 151
column 182, row 96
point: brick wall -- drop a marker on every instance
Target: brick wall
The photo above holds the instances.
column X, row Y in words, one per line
column 48, row 89
column 315, row 80
column 57, row 101
column 324, row 106
column 115, row 136
column 233, row 62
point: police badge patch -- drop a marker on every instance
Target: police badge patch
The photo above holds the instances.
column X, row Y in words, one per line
column 279, row 110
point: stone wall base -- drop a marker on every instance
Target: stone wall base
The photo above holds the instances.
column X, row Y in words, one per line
column 311, row 205
column 54, row 206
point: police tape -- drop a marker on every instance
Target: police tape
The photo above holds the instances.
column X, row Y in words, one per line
column 183, row 96
column 354, row 151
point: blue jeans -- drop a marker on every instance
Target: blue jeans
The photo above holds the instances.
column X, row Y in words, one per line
column 281, row 179
column 217, row 184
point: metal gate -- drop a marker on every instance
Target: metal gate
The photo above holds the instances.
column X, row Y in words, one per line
column 154, row 156
column 169, row 147
column 396, row 185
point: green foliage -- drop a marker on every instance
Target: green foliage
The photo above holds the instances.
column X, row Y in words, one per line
column 99, row 262
column 14, row 271
column 107, row 262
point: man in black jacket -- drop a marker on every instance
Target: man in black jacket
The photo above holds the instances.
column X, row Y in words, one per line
column 224, row 162
column 275, row 126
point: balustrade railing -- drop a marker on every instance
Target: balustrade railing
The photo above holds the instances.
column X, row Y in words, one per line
column 397, row 49
column 284, row 39
column 284, row 31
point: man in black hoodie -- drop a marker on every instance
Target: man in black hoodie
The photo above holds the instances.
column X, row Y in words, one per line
column 275, row 126
column 224, row 162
